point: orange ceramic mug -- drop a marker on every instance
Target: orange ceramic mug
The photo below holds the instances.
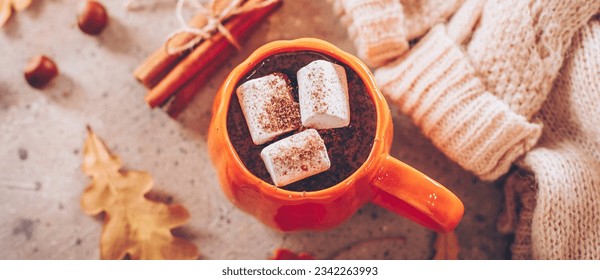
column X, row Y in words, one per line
column 381, row 179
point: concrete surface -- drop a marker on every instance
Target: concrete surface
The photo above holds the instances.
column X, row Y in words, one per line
column 42, row 133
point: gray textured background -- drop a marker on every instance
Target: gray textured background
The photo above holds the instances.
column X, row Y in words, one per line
column 42, row 133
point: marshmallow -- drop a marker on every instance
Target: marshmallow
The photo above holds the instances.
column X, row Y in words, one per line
column 296, row 157
column 268, row 107
column 323, row 95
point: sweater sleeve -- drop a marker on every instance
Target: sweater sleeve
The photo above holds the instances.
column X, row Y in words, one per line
column 436, row 85
column 376, row 27
column 476, row 103
column 381, row 29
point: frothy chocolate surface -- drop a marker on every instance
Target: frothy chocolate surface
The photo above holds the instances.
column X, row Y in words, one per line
column 347, row 147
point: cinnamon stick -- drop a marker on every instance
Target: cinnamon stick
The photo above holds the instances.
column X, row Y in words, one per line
column 185, row 95
column 205, row 54
column 159, row 63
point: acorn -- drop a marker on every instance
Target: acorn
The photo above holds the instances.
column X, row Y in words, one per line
column 40, row 70
column 91, row 17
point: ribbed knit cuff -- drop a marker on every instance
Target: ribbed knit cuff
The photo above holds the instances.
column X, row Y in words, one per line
column 377, row 29
column 436, row 85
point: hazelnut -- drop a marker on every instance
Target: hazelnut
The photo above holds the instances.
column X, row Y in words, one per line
column 91, row 17
column 39, row 71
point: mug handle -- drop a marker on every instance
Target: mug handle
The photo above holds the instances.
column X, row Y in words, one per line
column 406, row 191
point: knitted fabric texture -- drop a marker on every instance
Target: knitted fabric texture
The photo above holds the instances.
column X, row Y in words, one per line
column 439, row 89
column 566, row 163
column 477, row 105
column 381, row 29
column 375, row 27
column 519, row 47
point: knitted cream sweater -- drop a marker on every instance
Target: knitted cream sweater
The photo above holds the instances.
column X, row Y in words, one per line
column 381, row 29
column 475, row 87
column 565, row 164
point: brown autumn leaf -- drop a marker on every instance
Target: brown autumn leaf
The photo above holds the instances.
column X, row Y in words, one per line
column 7, row 6
column 446, row 246
column 133, row 225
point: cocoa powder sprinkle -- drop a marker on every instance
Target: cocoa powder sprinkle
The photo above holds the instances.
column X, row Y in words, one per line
column 281, row 112
column 300, row 158
column 318, row 93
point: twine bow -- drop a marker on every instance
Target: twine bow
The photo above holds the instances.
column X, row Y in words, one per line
column 215, row 22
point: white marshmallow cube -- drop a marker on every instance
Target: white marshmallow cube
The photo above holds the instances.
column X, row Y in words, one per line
column 296, row 157
column 323, row 95
column 269, row 107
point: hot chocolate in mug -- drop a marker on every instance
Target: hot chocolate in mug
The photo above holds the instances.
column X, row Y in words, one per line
column 381, row 179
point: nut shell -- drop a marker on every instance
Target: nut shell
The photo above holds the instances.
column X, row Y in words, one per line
column 40, row 70
column 91, row 17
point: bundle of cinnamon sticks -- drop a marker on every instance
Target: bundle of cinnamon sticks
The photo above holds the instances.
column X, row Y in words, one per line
column 174, row 78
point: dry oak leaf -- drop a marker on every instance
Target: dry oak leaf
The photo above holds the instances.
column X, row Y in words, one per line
column 133, row 225
column 7, row 6
column 446, row 246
